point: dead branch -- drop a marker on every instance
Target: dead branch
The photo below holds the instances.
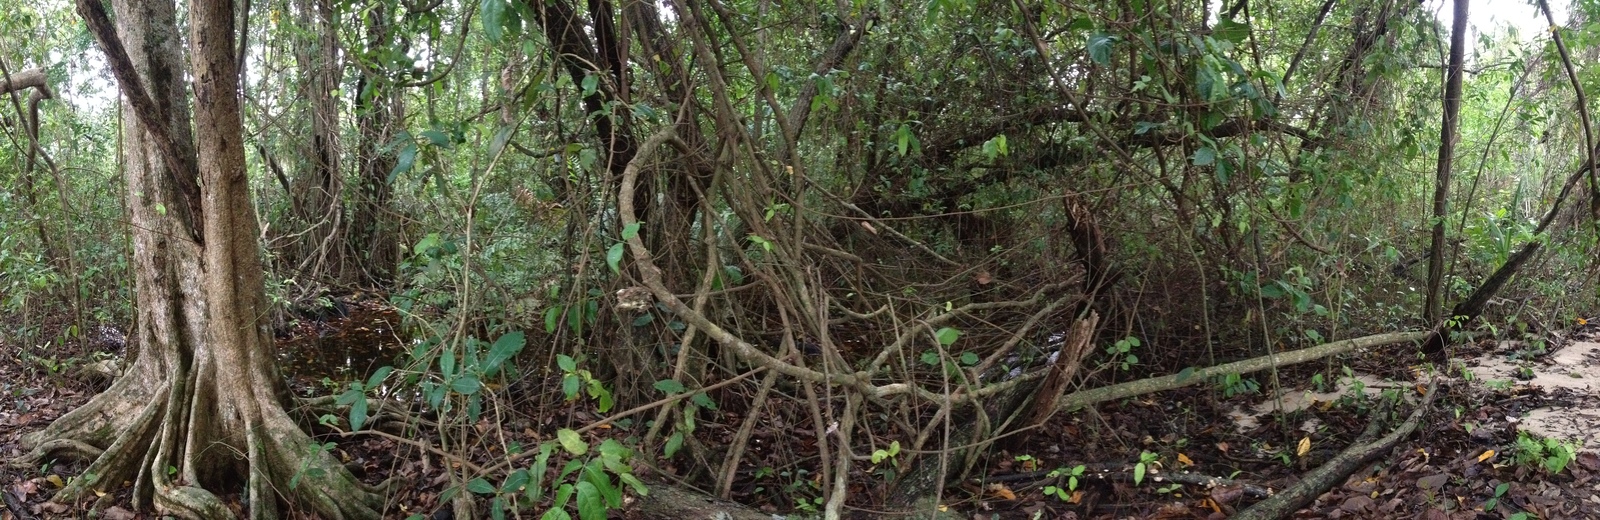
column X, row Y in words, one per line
column 1156, row 384
column 1326, row 476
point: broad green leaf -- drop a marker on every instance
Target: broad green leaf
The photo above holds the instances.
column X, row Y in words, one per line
column 1204, row 156
column 614, row 257
column 358, row 414
column 572, row 442
column 566, row 363
column 378, row 376
column 480, row 486
column 669, row 386
column 629, row 231
column 1185, row 374
column 515, row 481
column 408, row 156
column 634, row 482
column 673, row 443
column 467, row 384
column 1099, row 47
column 504, row 349
column 947, row 335
column 702, row 400
column 552, row 319
column 591, row 506
column 493, row 13
column 1231, row 31
column 437, row 138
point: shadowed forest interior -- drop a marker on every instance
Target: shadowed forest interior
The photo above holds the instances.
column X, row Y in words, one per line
column 940, row 259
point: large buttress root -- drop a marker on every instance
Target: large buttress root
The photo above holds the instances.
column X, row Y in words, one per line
column 144, row 440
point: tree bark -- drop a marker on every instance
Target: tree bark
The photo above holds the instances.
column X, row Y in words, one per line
column 380, row 109
column 1447, row 147
column 201, row 406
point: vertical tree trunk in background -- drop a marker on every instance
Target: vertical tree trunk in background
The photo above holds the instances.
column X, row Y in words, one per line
column 316, row 206
column 202, row 395
column 1447, row 146
column 380, row 110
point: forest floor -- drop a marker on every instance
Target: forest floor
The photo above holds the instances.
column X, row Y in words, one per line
column 1467, row 461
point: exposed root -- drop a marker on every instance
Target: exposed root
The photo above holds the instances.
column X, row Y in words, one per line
column 279, row 463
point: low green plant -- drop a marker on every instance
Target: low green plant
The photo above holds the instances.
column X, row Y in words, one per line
column 1122, row 352
column 1552, row 455
column 1064, row 493
column 1147, row 462
column 1499, row 491
column 590, row 483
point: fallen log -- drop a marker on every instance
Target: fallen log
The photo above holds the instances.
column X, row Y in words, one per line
column 1188, row 377
column 1320, row 480
column 666, row 502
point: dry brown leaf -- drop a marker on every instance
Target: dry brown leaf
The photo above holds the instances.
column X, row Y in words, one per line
column 1000, row 490
column 1184, row 460
column 1487, row 454
column 117, row 513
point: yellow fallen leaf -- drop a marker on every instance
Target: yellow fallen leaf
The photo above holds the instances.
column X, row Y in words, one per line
column 55, row 480
column 943, row 508
column 1303, row 448
column 1184, row 460
column 1486, row 455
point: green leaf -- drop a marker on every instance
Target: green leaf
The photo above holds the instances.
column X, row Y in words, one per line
column 467, row 384
column 591, row 505
column 572, row 442
column 378, row 376
column 501, row 137
column 358, row 414
column 1138, row 473
column 515, row 481
column 629, row 231
column 493, row 13
column 566, row 363
column 552, row 319
column 969, row 358
column 1099, row 47
column 591, row 83
column 673, row 443
column 437, row 138
column 349, row 397
column 669, row 386
column 1185, row 374
column 556, row 514
column 702, row 400
column 947, row 335
column 634, row 482
column 1204, row 156
column 480, row 486
column 1232, row 31
column 408, row 157
column 614, row 257
column 503, row 350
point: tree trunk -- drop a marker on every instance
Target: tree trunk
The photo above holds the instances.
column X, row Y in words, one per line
column 201, row 405
column 373, row 237
column 1447, row 147
column 316, row 209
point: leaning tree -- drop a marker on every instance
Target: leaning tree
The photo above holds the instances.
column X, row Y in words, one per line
column 200, row 408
